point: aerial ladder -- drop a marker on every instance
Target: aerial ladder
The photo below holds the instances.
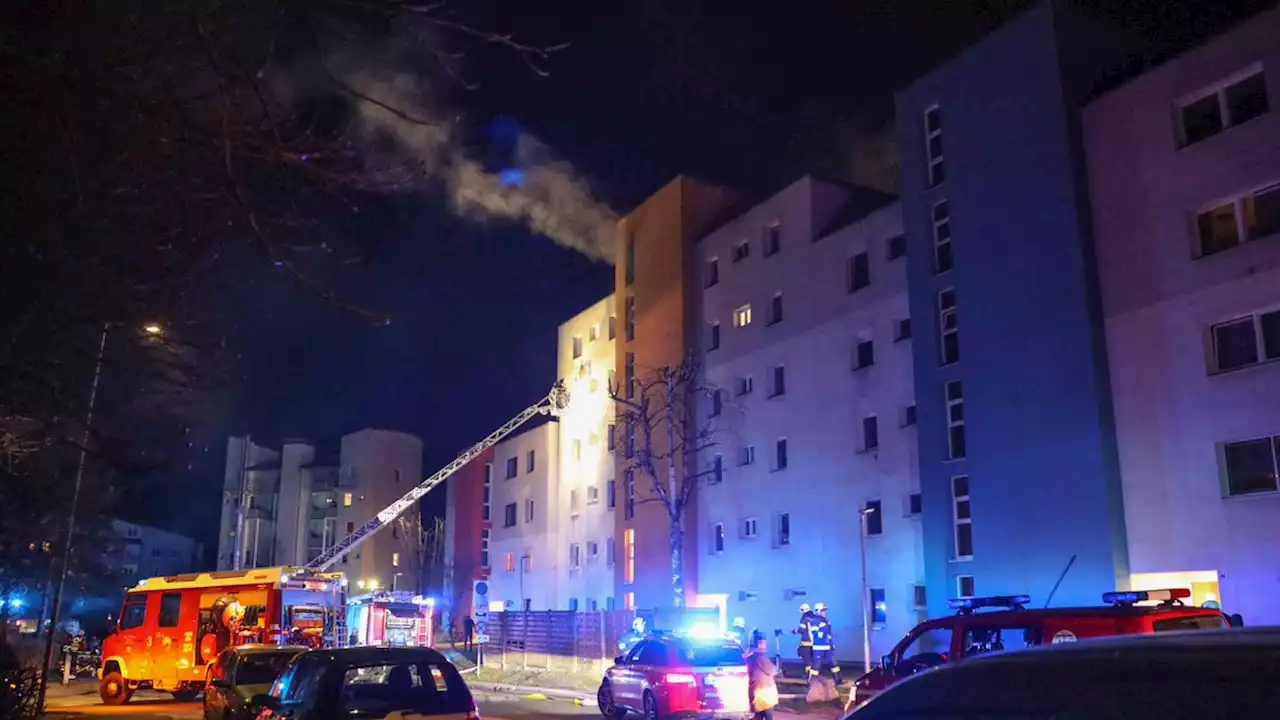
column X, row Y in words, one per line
column 553, row 404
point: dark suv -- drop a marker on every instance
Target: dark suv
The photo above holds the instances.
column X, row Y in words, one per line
column 239, row 674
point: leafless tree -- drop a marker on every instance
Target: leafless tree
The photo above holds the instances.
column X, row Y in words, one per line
column 423, row 547
column 665, row 438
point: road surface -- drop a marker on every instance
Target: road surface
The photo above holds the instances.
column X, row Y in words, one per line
column 156, row 706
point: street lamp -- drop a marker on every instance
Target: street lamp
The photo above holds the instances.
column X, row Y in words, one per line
column 152, row 329
column 866, row 591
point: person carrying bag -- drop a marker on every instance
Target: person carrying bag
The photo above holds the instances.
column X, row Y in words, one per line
column 762, row 688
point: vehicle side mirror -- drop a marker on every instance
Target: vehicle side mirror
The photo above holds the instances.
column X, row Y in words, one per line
column 619, row 660
column 270, row 702
column 219, row 683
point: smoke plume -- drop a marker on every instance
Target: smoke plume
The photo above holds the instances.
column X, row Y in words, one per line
column 398, row 131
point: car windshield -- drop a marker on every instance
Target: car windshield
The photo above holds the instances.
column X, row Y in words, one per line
column 700, row 655
column 420, row 687
column 261, row 668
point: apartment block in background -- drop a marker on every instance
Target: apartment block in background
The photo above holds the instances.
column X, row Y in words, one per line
column 468, row 527
column 285, row 507
column 142, row 551
column 527, row 564
column 805, row 332
column 1184, row 168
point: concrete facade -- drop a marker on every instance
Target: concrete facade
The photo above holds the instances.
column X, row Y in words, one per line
column 527, row 560
column 587, row 494
column 296, row 506
column 1187, row 395
column 822, row 275
column 1019, row 470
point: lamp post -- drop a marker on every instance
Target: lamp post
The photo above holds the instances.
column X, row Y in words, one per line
column 866, row 592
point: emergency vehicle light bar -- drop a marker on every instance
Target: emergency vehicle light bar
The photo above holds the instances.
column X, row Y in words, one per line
column 1013, row 602
column 1172, row 595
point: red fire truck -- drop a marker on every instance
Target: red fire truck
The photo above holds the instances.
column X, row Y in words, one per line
column 171, row 628
column 397, row 619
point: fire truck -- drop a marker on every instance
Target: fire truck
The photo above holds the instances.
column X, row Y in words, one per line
column 171, row 628
column 395, row 619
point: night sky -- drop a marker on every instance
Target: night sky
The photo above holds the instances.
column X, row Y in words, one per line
column 645, row 90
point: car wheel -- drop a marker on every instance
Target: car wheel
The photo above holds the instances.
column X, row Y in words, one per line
column 604, row 698
column 650, row 706
column 114, row 689
column 186, row 694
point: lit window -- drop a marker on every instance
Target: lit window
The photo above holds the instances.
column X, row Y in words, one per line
column 577, row 449
column 509, row 563
column 574, row 508
column 1246, row 218
column 395, row 559
column 629, row 557
column 346, row 499
column 629, row 601
column 879, row 608
column 742, row 316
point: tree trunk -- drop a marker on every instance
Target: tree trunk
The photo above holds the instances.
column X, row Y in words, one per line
column 677, row 563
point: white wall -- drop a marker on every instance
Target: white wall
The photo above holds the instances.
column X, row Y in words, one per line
column 536, row 539
column 584, row 425
column 828, row 476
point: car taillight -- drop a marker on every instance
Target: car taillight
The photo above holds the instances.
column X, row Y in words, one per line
column 683, row 678
column 474, row 712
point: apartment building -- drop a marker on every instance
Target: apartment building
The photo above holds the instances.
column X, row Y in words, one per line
column 806, row 335
column 1184, row 172
column 142, row 551
column 656, row 308
column 587, row 494
column 286, row 506
column 468, row 527
column 526, row 556
column 1019, row 469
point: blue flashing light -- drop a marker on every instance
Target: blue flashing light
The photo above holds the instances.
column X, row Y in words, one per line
column 1004, row 601
column 705, row 631
column 1136, row 596
column 511, row 177
column 15, row 603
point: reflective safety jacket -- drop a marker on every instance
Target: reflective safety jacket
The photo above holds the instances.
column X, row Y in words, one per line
column 806, row 638
column 820, row 632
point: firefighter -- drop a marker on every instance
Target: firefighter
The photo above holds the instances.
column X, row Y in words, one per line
column 629, row 640
column 738, row 633
column 806, row 641
column 823, row 643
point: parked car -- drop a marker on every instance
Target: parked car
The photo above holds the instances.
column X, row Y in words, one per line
column 240, row 673
column 1203, row 675
column 367, row 682
column 989, row 624
column 666, row 675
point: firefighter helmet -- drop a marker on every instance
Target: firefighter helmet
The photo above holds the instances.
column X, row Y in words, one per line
column 819, row 607
column 804, row 607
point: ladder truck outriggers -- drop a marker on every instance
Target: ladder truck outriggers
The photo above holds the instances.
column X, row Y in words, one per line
column 171, row 628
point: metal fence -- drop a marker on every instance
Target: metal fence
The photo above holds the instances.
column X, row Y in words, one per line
column 560, row 641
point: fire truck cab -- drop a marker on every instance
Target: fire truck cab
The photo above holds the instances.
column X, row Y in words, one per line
column 395, row 619
column 171, row 628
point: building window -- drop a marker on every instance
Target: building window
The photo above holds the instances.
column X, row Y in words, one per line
column 870, row 433
column 509, row 563
column 748, row 528
column 933, row 145
column 741, row 251
column 957, row 443
column 631, row 317
column 574, row 505
column 780, row 454
column 778, row 381
column 1246, row 341
column 713, row 273
column 593, row 495
column 484, row 548
column 717, row 403
column 745, row 385
column 509, row 515
column 879, row 608
column 962, row 517
column 631, row 257
column 351, row 527
column 1231, row 103
column 902, row 330
column 395, row 559
column 611, row 436
column 864, row 355
column 782, row 529
column 577, row 346
column 593, row 332
column 629, row 556
column 949, row 326
column 611, row 494
column 717, row 469
column 742, row 316
column 909, row 416
column 1243, row 219
column 775, row 310
column 717, row 538
column 964, row 586
column 713, row 342
column 610, row 552
column 577, row 449
column 488, row 490
column 629, row 375
column 346, row 499
column 1251, row 466
column 613, row 326
column 942, row 260
column 746, row 454
column 575, row 556
column 875, row 520
column 630, row 449
column 629, row 487
column 772, row 239
column 528, row 510
column 915, row 505
column 628, row 601
column 530, row 463
column 593, row 550
column 859, row 272
column 513, row 468
column 897, row 247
